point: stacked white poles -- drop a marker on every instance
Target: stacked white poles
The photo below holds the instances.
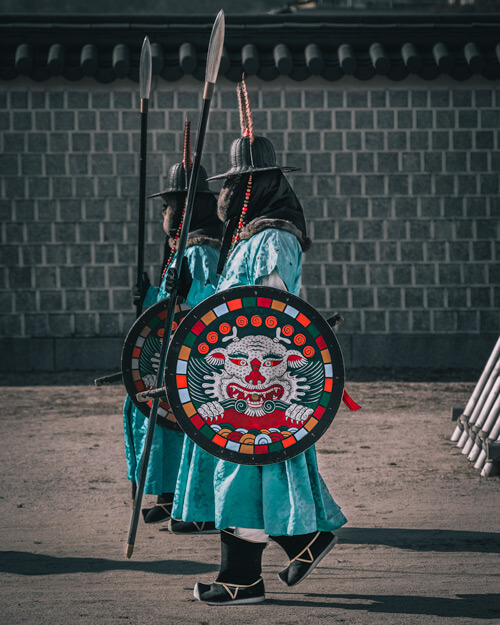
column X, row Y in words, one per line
column 478, row 427
column 487, row 444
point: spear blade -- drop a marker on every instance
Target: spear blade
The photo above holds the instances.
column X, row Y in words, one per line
column 145, row 69
column 214, row 54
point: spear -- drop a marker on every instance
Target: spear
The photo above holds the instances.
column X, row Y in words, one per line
column 145, row 69
column 213, row 61
column 145, row 88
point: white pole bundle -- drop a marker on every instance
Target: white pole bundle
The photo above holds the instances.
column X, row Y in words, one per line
column 477, row 432
column 487, row 430
column 476, row 394
column 482, row 416
column 483, row 398
column 487, row 439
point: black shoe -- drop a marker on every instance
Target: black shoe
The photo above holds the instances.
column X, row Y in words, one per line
column 192, row 527
column 307, row 559
column 161, row 511
column 221, row 593
column 241, row 563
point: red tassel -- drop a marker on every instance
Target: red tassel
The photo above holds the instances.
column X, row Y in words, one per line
column 350, row 403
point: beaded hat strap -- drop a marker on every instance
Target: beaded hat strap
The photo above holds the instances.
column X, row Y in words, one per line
column 242, row 220
column 173, row 249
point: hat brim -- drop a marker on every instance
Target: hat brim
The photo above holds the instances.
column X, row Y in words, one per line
column 252, row 170
column 173, row 191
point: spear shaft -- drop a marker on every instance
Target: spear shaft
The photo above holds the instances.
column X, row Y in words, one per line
column 145, row 88
column 142, row 202
column 145, row 72
column 213, row 62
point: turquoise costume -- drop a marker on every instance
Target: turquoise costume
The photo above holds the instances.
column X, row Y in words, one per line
column 288, row 502
column 288, row 498
column 167, row 445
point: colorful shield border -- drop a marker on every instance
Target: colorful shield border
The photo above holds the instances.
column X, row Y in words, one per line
column 212, row 310
column 151, row 320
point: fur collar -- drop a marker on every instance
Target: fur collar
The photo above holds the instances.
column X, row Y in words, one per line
column 203, row 240
column 198, row 240
column 258, row 225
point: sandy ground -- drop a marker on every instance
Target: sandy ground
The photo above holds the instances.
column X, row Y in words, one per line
column 421, row 545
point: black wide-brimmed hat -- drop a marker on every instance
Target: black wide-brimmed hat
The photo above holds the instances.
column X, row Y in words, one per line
column 177, row 177
column 250, row 153
column 177, row 181
column 247, row 158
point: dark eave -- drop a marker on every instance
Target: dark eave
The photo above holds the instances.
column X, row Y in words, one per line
column 298, row 46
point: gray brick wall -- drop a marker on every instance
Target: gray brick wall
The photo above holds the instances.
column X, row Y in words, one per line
column 399, row 182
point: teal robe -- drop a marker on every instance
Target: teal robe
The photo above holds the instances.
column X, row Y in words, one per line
column 287, row 498
column 167, row 445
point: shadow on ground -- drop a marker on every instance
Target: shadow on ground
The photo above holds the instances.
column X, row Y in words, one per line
column 465, row 606
column 24, row 563
column 422, row 540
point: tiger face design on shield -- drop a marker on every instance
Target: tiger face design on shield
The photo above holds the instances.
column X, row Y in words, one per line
column 253, row 377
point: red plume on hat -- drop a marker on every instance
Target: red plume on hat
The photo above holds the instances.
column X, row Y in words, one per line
column 187, row 159
column 250, row 153
column 178, row 174
column 246, row 117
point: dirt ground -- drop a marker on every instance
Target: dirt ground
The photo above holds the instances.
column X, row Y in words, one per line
column 421, row 545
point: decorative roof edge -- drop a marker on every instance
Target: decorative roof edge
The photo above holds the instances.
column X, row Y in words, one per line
column 331, row 46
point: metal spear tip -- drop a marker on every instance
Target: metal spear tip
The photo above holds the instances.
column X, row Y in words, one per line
column 145, row 69
column 215, row 48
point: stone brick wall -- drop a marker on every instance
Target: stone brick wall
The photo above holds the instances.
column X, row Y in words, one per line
column 399, row 182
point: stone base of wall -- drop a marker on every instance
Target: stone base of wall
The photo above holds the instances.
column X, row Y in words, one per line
column 433, row 351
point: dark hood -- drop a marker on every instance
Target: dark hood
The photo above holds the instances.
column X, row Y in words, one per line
column 273, row 204
column 205, row 227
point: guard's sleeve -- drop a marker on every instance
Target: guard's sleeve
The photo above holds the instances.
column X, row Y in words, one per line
column 273, row 280
column 277, row 253
column 151, row 296
column 202, row 261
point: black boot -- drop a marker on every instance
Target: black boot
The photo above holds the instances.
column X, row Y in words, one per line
column 161, row 511
column 239, row 580
column 192, row 527
column 305, row 552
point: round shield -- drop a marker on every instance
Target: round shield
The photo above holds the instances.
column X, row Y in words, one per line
column 141, row 357
column 255, row 375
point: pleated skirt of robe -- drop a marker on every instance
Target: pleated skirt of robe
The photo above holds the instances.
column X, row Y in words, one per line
column 287, row 498
column 166, row 451
column 167, row 445
column 194, row 498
